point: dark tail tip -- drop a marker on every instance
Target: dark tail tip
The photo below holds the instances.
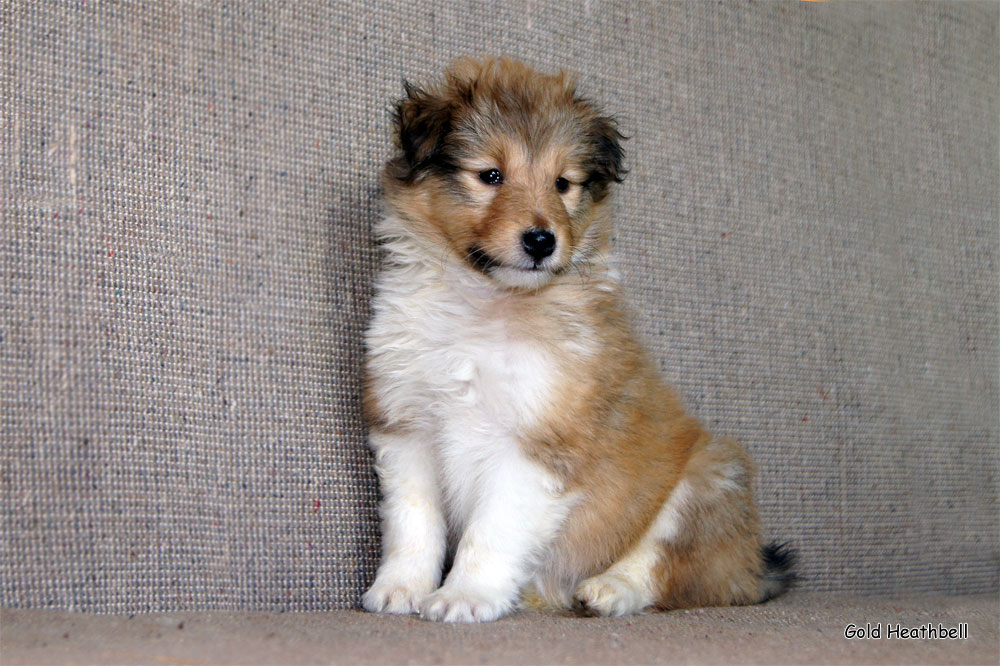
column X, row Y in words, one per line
column 779, row 570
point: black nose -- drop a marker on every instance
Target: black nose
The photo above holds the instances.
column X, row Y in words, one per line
column 538, row 243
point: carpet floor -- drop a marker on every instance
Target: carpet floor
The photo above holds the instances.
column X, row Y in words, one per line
column 799, row 628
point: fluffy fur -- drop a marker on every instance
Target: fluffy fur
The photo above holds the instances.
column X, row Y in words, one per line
column 520, row 431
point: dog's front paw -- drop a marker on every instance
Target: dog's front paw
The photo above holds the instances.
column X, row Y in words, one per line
column 609, row 595
column 462, row 605
column 390, row 594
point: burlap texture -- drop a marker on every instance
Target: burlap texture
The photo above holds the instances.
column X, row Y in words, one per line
column 809, row 234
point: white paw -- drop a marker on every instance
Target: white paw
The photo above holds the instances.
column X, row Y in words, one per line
column 460, row 605
column 390, row 594
column 611, row 596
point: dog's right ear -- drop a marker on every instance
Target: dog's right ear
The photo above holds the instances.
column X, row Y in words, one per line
column 422, row 121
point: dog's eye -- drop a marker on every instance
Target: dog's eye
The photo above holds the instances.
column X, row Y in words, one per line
column 491, row 176
column 562, row 185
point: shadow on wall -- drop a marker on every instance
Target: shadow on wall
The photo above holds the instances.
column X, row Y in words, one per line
column 351, row 261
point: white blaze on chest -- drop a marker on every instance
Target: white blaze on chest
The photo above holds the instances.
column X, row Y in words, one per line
column 506, row 380
column 438, row 348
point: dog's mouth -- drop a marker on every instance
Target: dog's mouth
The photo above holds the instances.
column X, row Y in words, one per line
column 481, row 260
column 487, row 264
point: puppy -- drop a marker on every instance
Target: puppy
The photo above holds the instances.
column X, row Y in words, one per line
column 520, row 432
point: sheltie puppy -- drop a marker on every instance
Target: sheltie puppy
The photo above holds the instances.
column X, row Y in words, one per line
column 522, row 437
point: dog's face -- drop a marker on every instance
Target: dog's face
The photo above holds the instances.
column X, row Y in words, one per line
column 506, row 168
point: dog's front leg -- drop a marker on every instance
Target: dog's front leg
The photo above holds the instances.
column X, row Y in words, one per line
column 518, row 509
column 414, row 535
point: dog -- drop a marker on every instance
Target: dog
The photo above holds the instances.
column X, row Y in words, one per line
column 522, row 437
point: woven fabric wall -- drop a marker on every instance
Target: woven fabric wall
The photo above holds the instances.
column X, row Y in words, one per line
column 809, row 234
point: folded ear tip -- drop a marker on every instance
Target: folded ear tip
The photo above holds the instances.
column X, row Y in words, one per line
column 421, row 117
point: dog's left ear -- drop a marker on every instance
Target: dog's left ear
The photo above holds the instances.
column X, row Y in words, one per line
column 607, row 155
column 422, row 121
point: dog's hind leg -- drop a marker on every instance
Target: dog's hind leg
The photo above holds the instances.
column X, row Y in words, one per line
column 703, row 548
column 629, row 586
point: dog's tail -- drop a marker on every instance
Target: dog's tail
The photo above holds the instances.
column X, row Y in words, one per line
column 779, row 570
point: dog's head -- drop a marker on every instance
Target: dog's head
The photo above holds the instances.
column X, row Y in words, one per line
column 506, row 167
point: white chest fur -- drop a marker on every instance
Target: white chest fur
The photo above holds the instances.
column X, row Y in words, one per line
column 461, row 384
column 444, row 351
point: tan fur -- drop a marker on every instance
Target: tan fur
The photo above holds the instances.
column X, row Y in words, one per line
column 615, row 433
column 716, row 560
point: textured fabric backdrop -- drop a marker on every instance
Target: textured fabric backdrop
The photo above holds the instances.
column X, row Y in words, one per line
column 809, row 234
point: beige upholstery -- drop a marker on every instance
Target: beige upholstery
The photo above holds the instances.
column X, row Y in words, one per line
column 809, row 234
